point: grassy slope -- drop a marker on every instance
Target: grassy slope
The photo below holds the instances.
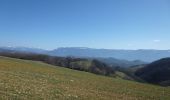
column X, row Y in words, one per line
column 21, row 79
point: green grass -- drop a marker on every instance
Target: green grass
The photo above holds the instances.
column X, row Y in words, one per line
column 29, row 80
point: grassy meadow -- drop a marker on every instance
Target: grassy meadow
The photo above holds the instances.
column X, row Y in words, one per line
column 30, row 80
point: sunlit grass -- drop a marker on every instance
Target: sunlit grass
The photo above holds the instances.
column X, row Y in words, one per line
column 28, row 80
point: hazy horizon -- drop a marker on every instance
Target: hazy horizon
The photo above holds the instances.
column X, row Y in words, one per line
column 100, row 24
column 74, row 48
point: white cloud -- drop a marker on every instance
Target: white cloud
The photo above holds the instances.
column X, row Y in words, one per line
column 156, row 40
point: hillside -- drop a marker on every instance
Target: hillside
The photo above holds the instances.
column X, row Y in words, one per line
column 157, row 72
column 30, row 80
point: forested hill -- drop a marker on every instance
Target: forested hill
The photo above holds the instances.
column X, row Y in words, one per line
column 157, row 72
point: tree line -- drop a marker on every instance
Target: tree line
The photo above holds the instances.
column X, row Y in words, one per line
column 92, row 66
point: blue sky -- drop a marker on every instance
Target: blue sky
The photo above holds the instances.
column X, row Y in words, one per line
column 111, row 24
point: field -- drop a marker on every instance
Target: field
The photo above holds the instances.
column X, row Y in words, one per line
column 29, row 80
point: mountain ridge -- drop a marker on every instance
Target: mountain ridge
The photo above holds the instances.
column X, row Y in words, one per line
column 146, row 55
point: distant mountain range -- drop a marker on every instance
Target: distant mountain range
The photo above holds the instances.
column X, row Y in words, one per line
column 24, row 49
column 131, row 55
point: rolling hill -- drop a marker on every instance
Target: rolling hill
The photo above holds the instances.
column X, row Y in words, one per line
column 81, row 64
column 34, row 80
